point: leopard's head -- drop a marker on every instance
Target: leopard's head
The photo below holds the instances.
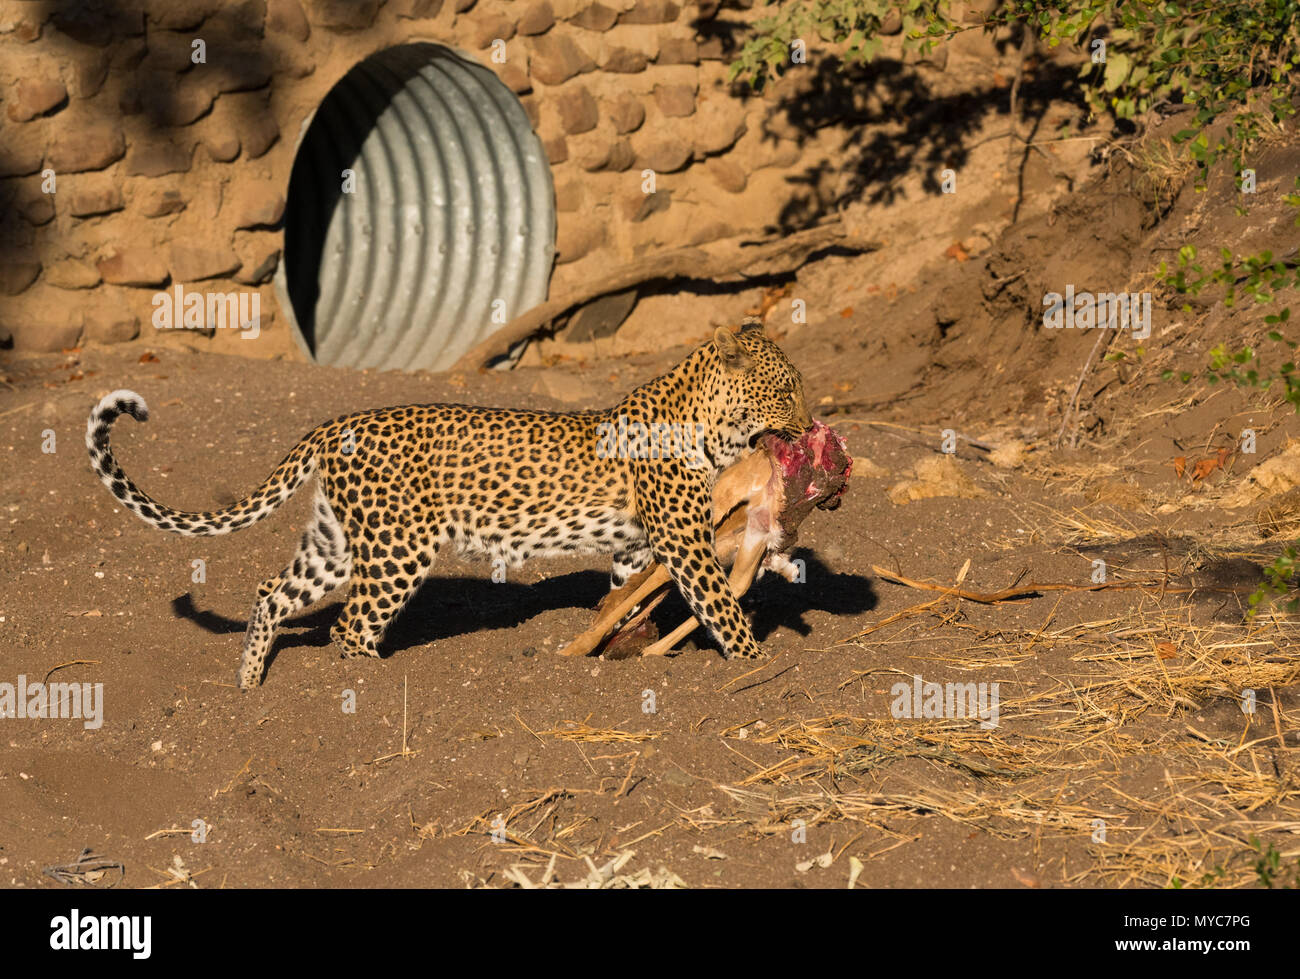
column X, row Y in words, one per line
column 756, row 388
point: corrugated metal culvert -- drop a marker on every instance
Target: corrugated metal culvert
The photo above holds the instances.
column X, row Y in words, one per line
column 445, row 228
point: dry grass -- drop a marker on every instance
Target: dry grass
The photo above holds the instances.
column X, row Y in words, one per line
column 1162, row 170
column 583, row 732
column 607, row 876
column 1054, row 766
column 1151, row 745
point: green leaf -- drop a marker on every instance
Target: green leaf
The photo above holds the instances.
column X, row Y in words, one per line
column 1117, row 69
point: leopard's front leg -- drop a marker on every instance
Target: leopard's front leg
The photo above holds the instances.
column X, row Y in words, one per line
column 675, row 505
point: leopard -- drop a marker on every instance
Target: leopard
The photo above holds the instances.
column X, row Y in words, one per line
column 394, row 487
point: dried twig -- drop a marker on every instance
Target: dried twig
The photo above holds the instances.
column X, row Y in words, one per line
column 86, row 870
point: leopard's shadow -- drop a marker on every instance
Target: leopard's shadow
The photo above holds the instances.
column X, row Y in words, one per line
column 444, row 607
column 457, row 606
column 773, row 603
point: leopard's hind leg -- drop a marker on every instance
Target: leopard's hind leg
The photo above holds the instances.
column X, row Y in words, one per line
column 323, row 563
column 385, row 576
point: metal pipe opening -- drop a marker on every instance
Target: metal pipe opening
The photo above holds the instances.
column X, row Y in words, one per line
column 420, row 216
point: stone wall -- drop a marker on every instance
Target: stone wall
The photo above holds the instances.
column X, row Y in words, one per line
column 164, row 171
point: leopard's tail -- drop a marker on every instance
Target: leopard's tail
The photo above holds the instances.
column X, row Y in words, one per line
column 296, row 468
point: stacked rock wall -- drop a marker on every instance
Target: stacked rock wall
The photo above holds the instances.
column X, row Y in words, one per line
column 128, row 165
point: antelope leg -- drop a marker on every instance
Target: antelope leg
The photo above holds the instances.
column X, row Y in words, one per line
column 748, row 558
column 628, row 597
column 739, row 483
column 726, row 542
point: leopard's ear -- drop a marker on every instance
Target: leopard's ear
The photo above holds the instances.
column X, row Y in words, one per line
column 751, row 324
column 729, row 349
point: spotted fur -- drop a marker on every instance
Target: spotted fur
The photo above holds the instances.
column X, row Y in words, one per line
column 396, row 485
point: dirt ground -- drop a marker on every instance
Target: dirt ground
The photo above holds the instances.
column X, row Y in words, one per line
column 477, row 755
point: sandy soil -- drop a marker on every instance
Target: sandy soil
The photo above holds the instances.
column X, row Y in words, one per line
column 1121, row 705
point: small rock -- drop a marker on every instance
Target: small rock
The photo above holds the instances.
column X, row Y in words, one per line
column 72, row 273
column 132, row 266
column 167, row 103
column 286, row 17
column 17, row 274
column 604, row 155
column 514, row 78
column 718, row 124
column 182, row 15
column 94, row 146
column 90, row 69
column 111, row 326
column 222, row 146
column 601, row 317
column 537, row 19
column 595, row 17
column 556, row 59
column 675, row 101
column 257, row 205
column 259, row 263
column 936, row 477
column 864, row 468
column 38, row 210
column 195, row 262
column 622, row 61
column 97, row 197
column 678, row 51
column 485, row 29
column 651, row 12
column 727, row 174
column 675, row 776
column 258, row 132
column 343, row 16
column 19, row 161
column 157, row 157
column 34, row 97
column 627, row 114
column 159, row 201
column 637, row 206
column 46, row 336
column 578, row 111
column 557, row 150
column 663, row 154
